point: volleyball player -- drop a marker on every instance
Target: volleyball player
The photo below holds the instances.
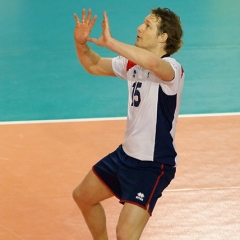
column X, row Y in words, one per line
column 143, row 165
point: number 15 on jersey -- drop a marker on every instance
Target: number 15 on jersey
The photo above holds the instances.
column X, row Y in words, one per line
column 136, row 96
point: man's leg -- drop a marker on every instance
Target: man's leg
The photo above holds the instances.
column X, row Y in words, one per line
column 88, row 196
column 131, row 222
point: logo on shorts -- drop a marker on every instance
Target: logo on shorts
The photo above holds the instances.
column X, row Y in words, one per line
column 140, row 196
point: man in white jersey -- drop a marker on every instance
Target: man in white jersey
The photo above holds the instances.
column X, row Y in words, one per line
column 145, row 163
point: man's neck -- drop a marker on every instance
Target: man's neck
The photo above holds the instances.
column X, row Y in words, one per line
column 161, row 53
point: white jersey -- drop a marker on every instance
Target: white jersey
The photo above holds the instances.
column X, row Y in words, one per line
column 153, row 108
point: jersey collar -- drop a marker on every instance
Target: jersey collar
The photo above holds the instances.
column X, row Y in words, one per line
column 165, row 55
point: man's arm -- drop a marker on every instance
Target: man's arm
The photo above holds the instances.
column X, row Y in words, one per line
column 140, row 56
column 90, row 60
column 143, row 58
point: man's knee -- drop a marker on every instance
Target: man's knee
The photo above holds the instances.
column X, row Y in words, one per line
column 78, row 197
column 121, row 235
column 81, row 193
column 124, row 233
column 75, row 194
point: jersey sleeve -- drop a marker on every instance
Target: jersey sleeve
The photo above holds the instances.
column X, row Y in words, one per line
column 171, row 87
column 174, row 65
column 119, row 65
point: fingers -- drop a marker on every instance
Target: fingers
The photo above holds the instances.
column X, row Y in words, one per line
column 91, row 23
column 76, row 18
column 105, row 19
column 105, row 16
column 94, row 40
column 83, row 15
column 86, row 19
column 105, row 23
column 89, row 16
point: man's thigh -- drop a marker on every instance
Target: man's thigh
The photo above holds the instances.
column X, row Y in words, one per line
column 132, row 221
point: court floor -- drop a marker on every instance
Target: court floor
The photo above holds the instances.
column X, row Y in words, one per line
column 42, row 162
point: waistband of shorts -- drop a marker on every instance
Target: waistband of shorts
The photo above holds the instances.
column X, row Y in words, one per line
column 166, row 166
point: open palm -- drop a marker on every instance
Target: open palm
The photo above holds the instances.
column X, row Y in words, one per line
column 84, row 27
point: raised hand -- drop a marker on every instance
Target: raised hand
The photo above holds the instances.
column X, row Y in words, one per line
column 84, row 27
column 106, row 35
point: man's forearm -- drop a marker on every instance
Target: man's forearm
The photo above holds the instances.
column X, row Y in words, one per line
column 143, row 58
column 139, row 56
column 86, row 56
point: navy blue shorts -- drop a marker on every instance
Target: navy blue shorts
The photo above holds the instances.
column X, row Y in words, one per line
column 134, row 181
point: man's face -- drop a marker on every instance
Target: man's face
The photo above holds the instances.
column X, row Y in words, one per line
column 147, row 37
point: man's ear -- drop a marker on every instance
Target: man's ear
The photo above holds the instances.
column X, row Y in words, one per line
column 162, row 37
